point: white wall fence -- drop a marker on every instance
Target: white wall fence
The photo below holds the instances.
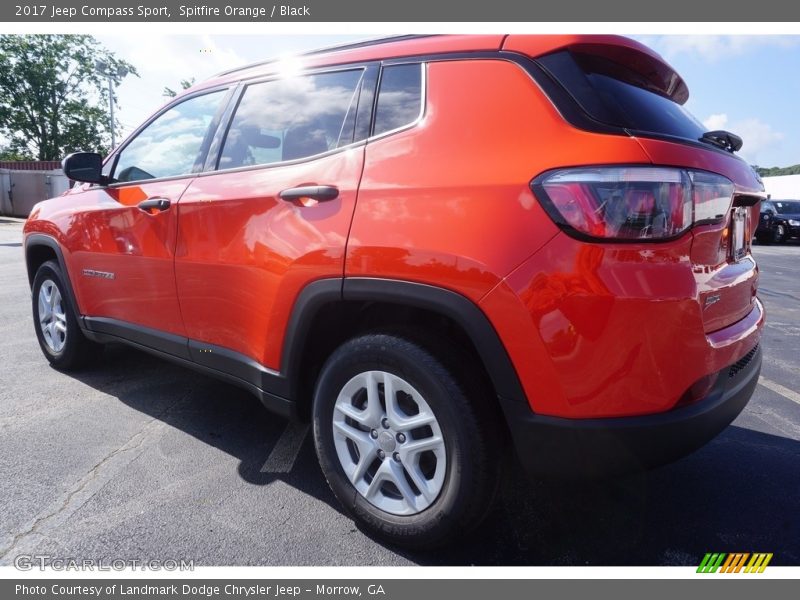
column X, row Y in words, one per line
column 20, row 190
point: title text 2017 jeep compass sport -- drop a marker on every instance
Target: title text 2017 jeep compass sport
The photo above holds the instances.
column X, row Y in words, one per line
column 435, row 249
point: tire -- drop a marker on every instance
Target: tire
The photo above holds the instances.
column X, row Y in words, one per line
column 779, row 234
column 412, row 498
column 60, row 338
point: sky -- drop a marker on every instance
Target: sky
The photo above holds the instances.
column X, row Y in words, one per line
column 747, row 84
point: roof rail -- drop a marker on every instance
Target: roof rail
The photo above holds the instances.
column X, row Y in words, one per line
column 334, row 48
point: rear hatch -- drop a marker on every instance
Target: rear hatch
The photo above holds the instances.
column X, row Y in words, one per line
column 616, row 86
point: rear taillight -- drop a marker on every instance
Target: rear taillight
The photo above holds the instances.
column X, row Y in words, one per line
column 632, row 203
column 712, row 197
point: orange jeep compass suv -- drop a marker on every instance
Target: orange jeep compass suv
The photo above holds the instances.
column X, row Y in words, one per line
column 437, row 249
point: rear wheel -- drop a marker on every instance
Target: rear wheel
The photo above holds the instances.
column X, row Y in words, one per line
column 60, row 338
column 405, row 450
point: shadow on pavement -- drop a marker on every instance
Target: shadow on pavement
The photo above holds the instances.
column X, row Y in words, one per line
column 214, row 412
column 738, row 494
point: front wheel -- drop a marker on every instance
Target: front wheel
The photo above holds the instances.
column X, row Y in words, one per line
column 405, row 450
column 60, row 338
column 779, row 234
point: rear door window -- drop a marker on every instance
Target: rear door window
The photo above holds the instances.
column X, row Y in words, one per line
column 292, row 118
column 399, row 97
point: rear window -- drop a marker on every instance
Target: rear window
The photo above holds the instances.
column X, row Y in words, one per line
column 615, row 95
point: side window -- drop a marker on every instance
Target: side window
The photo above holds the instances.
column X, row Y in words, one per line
column 292, row 118
column 170, row 145
column 399, row 97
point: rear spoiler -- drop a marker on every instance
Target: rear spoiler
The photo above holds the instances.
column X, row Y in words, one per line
column 658, row 74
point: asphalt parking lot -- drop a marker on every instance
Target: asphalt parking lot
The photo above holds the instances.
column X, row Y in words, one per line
column 139, row 459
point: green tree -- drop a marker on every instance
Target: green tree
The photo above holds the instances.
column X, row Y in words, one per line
column 774, row 171
column 53, row 100
column 185, row 85
column 7, row 153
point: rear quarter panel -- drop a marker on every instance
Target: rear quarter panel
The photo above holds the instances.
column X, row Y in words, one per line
column 448, row 202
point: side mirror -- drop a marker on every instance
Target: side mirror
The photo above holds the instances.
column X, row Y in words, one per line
column 84, row 166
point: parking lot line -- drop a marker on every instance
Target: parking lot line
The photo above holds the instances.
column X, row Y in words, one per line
column 779, row 389
column 283, row 455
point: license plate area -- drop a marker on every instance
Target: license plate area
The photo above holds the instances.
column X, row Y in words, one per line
column 738, row 237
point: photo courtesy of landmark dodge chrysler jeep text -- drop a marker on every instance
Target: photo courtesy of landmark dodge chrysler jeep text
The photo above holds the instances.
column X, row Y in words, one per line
column 439, row 250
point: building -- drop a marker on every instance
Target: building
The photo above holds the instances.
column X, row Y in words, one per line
column 783, row 187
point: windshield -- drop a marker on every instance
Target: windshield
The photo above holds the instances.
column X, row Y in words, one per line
column 787, row 207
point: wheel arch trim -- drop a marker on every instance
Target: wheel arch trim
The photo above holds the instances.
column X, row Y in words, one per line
column 460, row 309
column 38, row 239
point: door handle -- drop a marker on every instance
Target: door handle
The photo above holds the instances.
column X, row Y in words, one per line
column 320, row 193
column 154, row 204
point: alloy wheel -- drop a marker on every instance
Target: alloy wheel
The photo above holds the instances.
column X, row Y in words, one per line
column 52, row 316
column 389, row 443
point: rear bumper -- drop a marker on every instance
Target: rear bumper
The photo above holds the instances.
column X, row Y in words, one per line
column 602, row 447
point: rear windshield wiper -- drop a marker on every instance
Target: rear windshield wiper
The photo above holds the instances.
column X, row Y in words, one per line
column 722, row 139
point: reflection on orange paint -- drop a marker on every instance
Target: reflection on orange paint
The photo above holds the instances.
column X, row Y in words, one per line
column 593, row 330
